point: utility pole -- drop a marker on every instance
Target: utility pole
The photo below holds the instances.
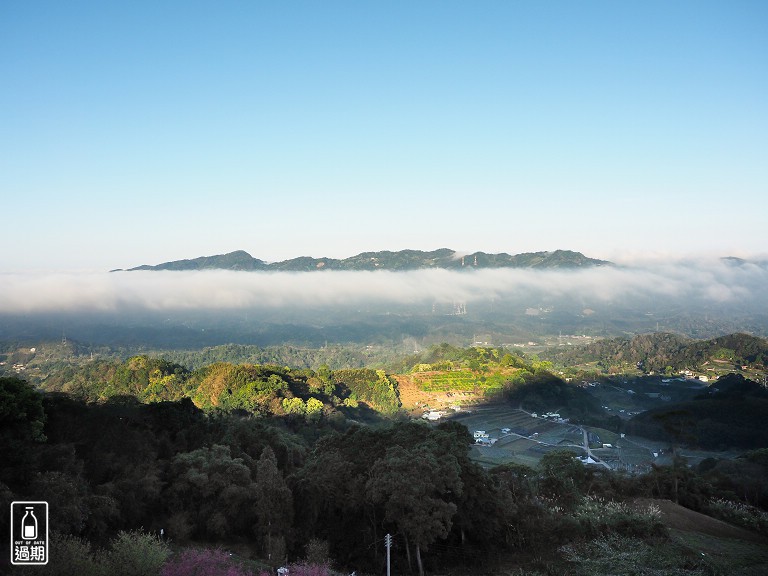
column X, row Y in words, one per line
column 388, row 544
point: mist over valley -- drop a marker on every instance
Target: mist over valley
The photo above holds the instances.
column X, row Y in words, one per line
column 170, row 309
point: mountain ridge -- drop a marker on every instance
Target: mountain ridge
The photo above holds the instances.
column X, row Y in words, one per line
column 443, row 258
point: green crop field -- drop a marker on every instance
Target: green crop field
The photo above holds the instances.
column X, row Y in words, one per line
column 447, row 381
column 461, row 381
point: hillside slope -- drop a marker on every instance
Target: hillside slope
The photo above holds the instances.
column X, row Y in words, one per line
column 657, row 352
column 731, row 413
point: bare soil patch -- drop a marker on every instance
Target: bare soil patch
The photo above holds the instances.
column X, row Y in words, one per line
column 414, row 397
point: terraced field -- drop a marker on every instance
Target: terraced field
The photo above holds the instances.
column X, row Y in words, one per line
column 437, row 390
column 462, row 381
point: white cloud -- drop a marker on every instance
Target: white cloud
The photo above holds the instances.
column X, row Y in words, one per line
column 712, row 282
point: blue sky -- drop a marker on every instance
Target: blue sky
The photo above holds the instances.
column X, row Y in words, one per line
column 142, row 132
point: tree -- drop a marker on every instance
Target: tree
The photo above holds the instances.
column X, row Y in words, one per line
column 294, row 406
column 21, row 427
column 21, row 411
column 68, row 492
column 317, row 551
column 562, row 477
column 325, row 375
column 415, row 487
column 314, row 408
column 214, row 488
column 274, row 504
column 677, row 424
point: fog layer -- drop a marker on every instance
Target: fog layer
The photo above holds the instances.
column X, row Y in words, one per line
column 710, row 283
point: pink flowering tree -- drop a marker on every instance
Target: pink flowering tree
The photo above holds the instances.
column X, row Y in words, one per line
column 203, row 562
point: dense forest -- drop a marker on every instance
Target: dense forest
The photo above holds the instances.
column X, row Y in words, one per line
column 315, row 467
column 662, row 352
column 254, row 388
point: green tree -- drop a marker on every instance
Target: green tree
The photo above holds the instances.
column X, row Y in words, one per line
column 274, row 505
column 21, row 411
column 314, row 408
column 69, row 494
column 416, row 488
column 678, row 425
column 21, row 427
column 294, row 406
column 214, row 488
column 563, row 477
column 325, row 375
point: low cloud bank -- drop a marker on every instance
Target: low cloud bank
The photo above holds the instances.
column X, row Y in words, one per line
column 708, row 282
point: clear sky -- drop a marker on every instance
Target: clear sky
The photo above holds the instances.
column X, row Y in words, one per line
column 147, row 131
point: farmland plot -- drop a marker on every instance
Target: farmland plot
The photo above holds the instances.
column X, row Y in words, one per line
column 528, row 440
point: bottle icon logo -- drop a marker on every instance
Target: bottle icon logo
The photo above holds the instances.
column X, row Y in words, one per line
column 29, row 533
column 29, row 524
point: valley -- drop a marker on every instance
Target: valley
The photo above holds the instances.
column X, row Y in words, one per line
column 542, row 443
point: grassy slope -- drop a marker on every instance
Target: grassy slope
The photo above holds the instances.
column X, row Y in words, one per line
column 730, row 549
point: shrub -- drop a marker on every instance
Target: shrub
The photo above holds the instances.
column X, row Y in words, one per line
column 308, row 569
column 621, row 556
column 598, row 516
column 136, row 553
column 739, row 513
column 70, row 555
column 317, row 551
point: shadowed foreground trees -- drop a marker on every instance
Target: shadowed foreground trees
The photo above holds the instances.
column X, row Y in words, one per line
column 271, row 485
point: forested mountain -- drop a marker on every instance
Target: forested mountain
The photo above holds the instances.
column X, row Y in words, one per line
column 386, row 260
column 731, row 413
column 657, row 352
column 238, row 260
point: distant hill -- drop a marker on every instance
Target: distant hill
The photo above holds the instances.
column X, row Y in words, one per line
column 238, row 260
column 731, row 413
column 543, row 392
column 386, row 260
column 656, row 352
column 734, row 261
